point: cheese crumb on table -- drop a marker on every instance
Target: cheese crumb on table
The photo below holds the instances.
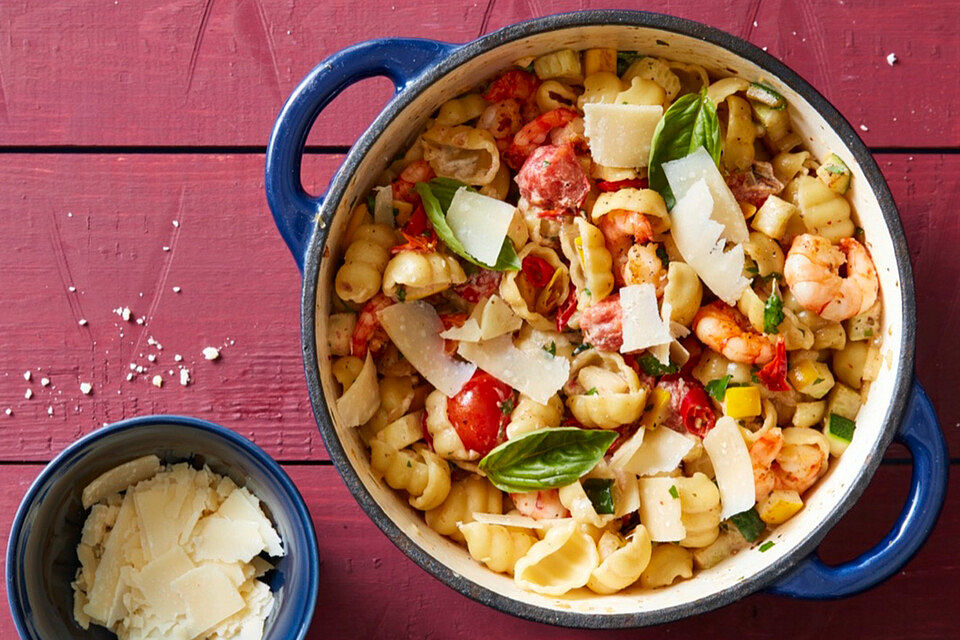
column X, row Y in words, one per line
column 157, row 381
column 45, row 382
column 892, row 59
column 184, row 377
column 27, row 375
column 86, row 388
column 211, row 353
column 28, row 394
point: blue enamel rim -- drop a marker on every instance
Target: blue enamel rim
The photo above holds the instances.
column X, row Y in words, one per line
column 295, row 212
column 306, row 605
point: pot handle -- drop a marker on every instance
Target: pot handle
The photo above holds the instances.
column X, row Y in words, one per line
column 921, row 434
column 400, row 59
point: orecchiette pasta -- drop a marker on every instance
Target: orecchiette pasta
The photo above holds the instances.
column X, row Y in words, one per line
column 497, row 546
column 562, row 561
column 621, row 560
column 468, row 496
column 359, row 277
column 421, row 274
column 467, row 382
column 603, row 391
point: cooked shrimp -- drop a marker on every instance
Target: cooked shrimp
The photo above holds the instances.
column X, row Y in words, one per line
column 728, row 332
column 763, row 452
column 535, row 133
column 403, row 186
column 813, row 271
column 540, row 505
column 501, row 119
column 367, row 333
column 516, row 84
column 643, row 266
column 621, row 230
column 798, row 466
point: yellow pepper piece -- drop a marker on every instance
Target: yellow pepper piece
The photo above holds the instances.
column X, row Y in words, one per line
column 657, row 403
column 742, row 402
column 597, row 60
column 812, row 378
column 780, row 506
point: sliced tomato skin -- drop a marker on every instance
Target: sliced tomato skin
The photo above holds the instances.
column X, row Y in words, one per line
column 774, row 373
column 478, row 414
column 696, row 412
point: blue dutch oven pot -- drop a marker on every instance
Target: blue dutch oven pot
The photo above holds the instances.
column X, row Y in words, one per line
column 413, row 65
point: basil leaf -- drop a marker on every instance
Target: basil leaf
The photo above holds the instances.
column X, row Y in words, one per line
column 718, row 388
column 434, row 207
column 773, row 311
column 546, row 458
column 653, row 367
column 690, row 122
column 749, row 523
column 598, row 490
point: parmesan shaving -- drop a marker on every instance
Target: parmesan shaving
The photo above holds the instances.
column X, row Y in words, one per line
column 469, row 331
column 698, row 238
column 480, row 223
column 415, row 327
column 119, row 478
column 684, row 173
column 538, row 375
column 510, row 520
column 620, row 135
column 642, row 325
column 660, row 510
column 362, row 398
column 627, row 450
column 731, row 462
column 661, row 451
column 383, row 206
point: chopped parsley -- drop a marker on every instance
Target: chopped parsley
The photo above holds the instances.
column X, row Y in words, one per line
column 592, row 392
column 401, row 293
column 662, row 254
column 371, row 203
column 581, row 348
column 552, row 349
column 546, row 163
column 765, row 546
column 600, row 494
column 674, row 492
column 653, row 367
column 818, row 381
column 718, row 388
column 773, row 311
column 506, row 407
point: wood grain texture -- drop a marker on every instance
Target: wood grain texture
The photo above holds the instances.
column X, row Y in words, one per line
column 368, row 589
column 189, row 72
column 240, row 290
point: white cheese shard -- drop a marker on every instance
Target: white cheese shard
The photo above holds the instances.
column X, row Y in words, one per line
column 383, row 206
column 469, row 331
column 626, row 497
column 210, row 597
column 627, row 450
column 682, row 174
column 362, row 398
column 216, row 538
column 211, row 353
column 660, row 509
column 642, row 325
column 119, row 478
column 698, row 238
column 662, row 451
column 620, row 135
column 158, row 509
column 731, row 462
column 125, row 534
column 241, row 505
column 415, row 328
column 673, row 351
column 154, row 582
column 510, row 520
column 480, row 223
column 490, row 318
column 538, row 375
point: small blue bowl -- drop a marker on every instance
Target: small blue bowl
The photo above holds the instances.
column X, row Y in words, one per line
column 41, row 552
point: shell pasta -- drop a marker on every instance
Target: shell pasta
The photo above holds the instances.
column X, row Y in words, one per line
column 621, row 321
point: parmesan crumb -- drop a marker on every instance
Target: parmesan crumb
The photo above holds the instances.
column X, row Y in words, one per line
column 157, row 381
column 71, row 288
column 177, row 357
column 50, row 411
column 211, row 353
column 129, row 376
column 123, row 312
column 45, row 381
column 891, row 59
column 27, row 375
column 176, row 289
column 86, row 388
column 184, row 377
column 864, row 127
column 152, row 357
column 82, row 322
column 165, row 248
column 176, row 223
column 28, row 394
column 8, row 411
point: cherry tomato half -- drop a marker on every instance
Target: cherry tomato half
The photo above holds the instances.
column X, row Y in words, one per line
column 478, row 412
column 696, row 411
column 774, row 373
column 537, row 270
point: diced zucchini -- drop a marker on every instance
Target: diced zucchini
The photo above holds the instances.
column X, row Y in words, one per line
column 830, row 336
column 749, row 524
column 597, row 60
column 766, row 95
column 780, row 506
column 773, row 217
column 808, row 414
column 727, row 544
column 811, row 378
column 742, row 402
column 751, row 306
column 657, row 403
column 839, row 432
column 872, row 364
column 835, row 174
column 849, row 363
column 843, row 401
column 563, row 64
column 865, row 325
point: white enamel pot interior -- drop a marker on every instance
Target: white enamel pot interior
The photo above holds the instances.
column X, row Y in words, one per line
column 735, row 576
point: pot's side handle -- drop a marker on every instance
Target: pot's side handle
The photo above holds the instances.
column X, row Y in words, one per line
column 920, row 432
column 400, row 59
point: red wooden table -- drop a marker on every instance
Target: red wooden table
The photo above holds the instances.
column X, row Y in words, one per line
column 131, row 158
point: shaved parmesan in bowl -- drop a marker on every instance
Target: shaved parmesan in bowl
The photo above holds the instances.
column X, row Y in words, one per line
column 480, row 223
column 536, row 374
column 661, row 451
column 642, row 325
column 685, row 172
column 731, row 462
column 660, row 509
column 362, row 398
column 620, row 135
column 699, row 239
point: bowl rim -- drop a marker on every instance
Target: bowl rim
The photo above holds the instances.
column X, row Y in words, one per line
column 19, row 608
column 670, row 25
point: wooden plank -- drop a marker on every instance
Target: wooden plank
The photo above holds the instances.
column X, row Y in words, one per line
column 238, row 283
column 216, row 73
column 369, row 589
